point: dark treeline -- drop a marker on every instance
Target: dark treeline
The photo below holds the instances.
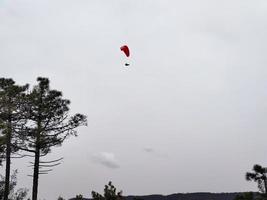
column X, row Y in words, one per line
column 258, row 175
column 32, row 120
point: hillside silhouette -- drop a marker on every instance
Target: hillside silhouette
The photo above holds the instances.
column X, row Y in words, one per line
column 183, row 196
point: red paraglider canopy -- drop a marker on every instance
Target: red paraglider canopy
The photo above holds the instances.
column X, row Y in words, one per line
column 126, row 50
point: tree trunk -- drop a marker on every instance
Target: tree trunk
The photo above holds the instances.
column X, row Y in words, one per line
column 36, row 161
column 8, row 153
column 36, row 174
column 37, row 150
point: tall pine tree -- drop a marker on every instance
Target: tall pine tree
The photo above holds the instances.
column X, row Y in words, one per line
column 11, row 120
column 49, row 124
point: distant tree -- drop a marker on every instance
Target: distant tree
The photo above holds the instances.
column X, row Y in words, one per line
column 79, row 197
column 258, row 176
column 110, row 193
column 2, row 147
column 49, row 124
column 19, row 194
column 60, row 198
column 11, row 119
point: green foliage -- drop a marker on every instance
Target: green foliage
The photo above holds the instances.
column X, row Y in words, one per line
column 245, row 196
column 110, row 193
column 19, row 194
column 11, row 105
column 11, row 113
column 48, row 119
column 258, row 176
column 11, row 121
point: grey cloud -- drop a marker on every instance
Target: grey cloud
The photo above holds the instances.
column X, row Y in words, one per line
column 155, row 153
column 106, row 159
column 148, row 149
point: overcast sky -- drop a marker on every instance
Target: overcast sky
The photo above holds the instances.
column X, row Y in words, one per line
column 187, row 115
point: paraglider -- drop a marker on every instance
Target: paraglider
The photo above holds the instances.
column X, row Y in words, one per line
column 126, row 51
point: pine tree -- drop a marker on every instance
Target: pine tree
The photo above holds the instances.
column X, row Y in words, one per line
column 259, row 176
column 79, row 197
column 11, row 120
column 110, row 193
column 49, row 124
